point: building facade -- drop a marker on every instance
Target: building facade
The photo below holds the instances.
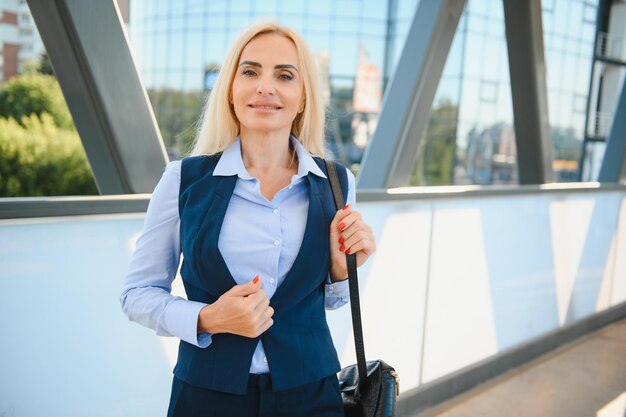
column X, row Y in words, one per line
column 176, row 41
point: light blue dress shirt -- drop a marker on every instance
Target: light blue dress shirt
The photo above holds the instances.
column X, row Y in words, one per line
column 258, row 237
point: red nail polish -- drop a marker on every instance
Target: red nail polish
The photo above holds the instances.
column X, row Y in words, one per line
column 341, row 240
column 255, row 280
column 341, row 226
column 342, row 248
column 348, row 251
column 346, row 206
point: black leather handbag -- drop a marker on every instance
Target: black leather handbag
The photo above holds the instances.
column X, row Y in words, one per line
column 373, row 395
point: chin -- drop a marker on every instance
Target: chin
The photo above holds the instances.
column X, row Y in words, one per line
column 266, row 128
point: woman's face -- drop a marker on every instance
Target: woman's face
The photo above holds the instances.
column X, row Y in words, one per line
column 267, row 91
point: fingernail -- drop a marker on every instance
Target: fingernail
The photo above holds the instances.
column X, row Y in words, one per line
column 342, row 248
column 348, row 251
column 341, row 226
column 255, row 280
column 340, row 240
column 346, row 206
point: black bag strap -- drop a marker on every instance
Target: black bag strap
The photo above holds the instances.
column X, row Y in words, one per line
column 355, row 304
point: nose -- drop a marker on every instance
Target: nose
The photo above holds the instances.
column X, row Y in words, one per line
column 265, row 86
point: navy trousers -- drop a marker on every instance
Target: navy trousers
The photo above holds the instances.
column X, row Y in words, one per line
column 318, row 399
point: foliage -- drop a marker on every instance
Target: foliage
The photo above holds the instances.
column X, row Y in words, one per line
column 435, row 157
column 37, row 158
column 41, row 65
column 35, row 93
column 44, row 64
column 177, row 113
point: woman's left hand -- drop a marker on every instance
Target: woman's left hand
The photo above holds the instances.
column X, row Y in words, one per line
column 349, row 234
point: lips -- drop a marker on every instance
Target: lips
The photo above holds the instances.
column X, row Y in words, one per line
column 265, row 106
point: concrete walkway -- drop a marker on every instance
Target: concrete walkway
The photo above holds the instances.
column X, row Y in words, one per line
column 586, row 378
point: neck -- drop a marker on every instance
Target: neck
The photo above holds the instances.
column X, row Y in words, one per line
column 266, row 152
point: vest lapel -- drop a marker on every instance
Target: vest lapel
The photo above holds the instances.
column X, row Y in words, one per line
column 217, row 279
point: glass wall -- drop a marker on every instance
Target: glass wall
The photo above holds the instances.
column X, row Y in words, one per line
column 470, row 138
column 178, row 47
column 569, row 29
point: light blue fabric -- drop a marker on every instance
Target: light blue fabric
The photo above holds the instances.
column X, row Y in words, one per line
column 258, row 237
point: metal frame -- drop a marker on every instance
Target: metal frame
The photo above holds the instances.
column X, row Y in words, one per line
column 390, row 157
column 524, row 34
column 390, row 39
column 15, row 208
column 87, row 46
column 26, row 207
column 614, row 163
column 602, row 24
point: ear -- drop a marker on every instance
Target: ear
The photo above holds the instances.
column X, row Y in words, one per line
column 301, row 109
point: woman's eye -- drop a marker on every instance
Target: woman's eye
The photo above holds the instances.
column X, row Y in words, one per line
column 248, row 72
column 287, row 77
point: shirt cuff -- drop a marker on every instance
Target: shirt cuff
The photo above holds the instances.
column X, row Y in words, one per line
column 182, row 321
column 337, row 294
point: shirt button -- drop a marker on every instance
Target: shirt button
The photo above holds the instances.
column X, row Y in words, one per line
column 290, row 187
column 272, row 280
column 265, row 359
column 275, row 211
column 276, row 243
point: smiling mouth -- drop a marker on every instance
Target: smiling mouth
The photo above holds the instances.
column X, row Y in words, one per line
column 264, row 107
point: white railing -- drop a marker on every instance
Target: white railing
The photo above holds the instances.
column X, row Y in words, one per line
column 454, row 281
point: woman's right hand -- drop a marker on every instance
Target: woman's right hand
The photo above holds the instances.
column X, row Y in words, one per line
column 243, row 310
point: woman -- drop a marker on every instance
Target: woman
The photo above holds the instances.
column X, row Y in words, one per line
column 253, row 214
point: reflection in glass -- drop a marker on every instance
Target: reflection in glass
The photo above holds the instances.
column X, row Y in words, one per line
column 180, row 51
column 479, row 114
column 470, row 138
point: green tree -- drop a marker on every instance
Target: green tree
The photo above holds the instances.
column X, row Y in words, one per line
column 44, row 65
column 35, row 93
column 37, row 158
column 435, row 157
column 177, row 113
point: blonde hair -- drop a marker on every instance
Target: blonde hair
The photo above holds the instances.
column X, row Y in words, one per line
column 218, row 124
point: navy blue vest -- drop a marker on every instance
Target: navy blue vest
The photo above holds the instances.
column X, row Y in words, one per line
column 298, row 346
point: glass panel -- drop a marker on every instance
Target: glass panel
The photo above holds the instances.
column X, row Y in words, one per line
column 41, row 153
column 568, row 44
column 266, row 7
column 173, row 60
column 470, row 137
column 375, row 9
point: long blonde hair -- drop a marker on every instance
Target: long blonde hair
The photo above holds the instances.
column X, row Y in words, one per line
column 218, row 126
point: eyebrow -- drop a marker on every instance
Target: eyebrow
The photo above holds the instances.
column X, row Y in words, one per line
column 280, row 66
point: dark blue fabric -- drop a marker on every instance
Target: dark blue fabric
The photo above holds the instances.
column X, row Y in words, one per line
column 320, row 398
column 298, row 346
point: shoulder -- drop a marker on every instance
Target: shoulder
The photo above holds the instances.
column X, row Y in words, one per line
column 200, row 160
column 173, row 168
column 198, row 165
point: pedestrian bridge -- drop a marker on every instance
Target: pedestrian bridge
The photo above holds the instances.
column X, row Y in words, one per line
column 468, row 284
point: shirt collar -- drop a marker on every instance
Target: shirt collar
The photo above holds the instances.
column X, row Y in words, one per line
column 231, row 163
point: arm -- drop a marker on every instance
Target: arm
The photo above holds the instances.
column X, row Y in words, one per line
column 146, row 296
